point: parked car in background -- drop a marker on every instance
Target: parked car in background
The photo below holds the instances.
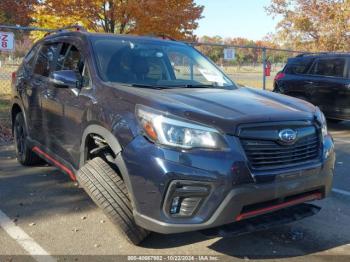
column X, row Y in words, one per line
column 322, row 79
column 162, row 140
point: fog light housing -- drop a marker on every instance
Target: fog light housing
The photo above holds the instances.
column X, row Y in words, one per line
column 184, row 198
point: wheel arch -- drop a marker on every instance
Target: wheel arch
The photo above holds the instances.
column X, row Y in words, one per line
column 115, row 146
column 111, row 140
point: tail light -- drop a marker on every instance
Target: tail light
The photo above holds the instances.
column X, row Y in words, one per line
column 279, row 76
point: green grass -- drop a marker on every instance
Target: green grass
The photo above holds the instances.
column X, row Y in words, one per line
column 253, row 83
column 4, row 104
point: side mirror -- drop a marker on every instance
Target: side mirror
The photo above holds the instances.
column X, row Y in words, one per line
column 65, row 79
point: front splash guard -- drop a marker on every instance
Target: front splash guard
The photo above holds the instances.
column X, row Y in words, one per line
column 264, row 222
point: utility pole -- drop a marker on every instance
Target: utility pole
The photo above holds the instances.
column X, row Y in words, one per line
column 264, row 67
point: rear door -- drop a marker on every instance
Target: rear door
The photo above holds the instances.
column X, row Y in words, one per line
column 330, row 85
column 38, row 85
column 27, row 92
column 296, row 82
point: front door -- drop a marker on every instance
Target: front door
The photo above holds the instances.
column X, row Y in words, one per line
column 69, row 103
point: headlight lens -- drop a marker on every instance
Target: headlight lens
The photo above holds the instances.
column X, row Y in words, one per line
column 322, row 120
column 175, row 132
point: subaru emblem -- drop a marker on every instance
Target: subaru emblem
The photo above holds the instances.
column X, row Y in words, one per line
column 287, row 136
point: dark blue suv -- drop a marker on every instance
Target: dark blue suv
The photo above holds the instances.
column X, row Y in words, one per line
column 161, row 139
column 321, row 79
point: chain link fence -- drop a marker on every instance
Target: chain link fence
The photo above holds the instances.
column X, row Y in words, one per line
column 246, row 66
column 9, row 62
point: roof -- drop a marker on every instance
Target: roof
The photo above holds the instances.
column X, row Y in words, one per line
column 80, row 31
column 324, row 54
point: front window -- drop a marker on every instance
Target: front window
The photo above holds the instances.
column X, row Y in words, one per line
column 155, row 63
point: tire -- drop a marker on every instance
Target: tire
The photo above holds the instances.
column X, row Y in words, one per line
column 108, row 191
column 24, row 154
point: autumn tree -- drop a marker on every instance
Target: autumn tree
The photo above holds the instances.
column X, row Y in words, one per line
column 215, row 53
column 43, row 18
column 315, row 25
column 13, row 12
column 175, row 18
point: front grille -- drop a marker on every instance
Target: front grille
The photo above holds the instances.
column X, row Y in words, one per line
column 267, row 154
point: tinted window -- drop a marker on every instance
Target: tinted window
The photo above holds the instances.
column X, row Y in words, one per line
column 45, row 58
column 185, row 68
column 30, row 58
column 85, row 77
column 148, row 62
column 69, row 59
column 297, row 66
column 329, row 67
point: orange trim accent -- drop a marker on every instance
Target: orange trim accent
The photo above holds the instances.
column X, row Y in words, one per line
column 261, row 211
column 55, row 162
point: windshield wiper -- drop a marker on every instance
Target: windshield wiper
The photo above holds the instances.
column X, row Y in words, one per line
column 201, row 86
column 197, row 86
column 147, row 86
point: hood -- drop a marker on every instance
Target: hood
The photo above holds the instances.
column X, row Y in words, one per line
column 226, row 109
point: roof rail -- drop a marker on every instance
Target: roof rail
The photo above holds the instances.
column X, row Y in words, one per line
column 78, row 28
column 323, row 53
column 166, row 37
column 162, row 36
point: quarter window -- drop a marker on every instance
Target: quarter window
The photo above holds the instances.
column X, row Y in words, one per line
column 329, row 67
column 30, row 59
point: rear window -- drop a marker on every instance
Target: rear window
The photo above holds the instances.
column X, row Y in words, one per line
column 297, row 66
column 328, row 67
column 30, row 58
column 45, row 58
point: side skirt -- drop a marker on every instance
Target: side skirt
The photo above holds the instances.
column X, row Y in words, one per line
column 54, row 159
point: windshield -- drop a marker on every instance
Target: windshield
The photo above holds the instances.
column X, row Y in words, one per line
column 152, row 63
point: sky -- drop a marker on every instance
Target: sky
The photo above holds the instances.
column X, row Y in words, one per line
column 235, row 18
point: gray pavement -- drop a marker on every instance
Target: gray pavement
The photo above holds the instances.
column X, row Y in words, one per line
column 61, row 218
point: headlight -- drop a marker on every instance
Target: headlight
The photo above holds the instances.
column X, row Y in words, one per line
column 322, row 120
column 175, row 132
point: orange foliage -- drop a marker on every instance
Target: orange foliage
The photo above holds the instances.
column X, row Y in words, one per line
column 175, row 18
column 16, row 12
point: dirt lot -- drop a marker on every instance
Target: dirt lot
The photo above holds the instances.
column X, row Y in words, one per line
column 57, row 219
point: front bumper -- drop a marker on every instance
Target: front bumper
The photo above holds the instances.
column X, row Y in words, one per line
column 239, row 197
column 152, row 175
